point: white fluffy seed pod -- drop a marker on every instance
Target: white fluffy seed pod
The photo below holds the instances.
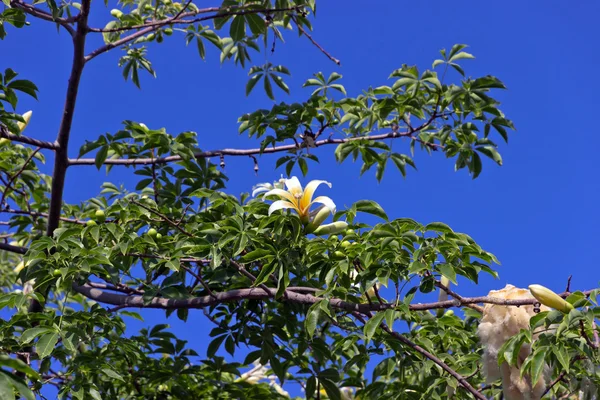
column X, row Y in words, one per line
column 498, row 324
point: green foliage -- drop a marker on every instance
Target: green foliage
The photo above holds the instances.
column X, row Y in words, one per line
column 312, row 309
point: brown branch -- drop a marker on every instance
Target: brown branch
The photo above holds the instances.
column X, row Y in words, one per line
column 16, row 175
column 43, row 215
column 41, row 14
column 568, row 289
column 154, row 25
column 436, row 360
column 61, row 160
column 586, row 337
column 27, row 140
column 313, row 41
column 198, row 279
column 13, row 249
column 458, row 297
column 264, row 293
column 178, row 18
column 249, row 152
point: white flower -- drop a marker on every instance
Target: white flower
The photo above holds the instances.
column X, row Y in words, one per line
column 265, row 187
column 299, row 199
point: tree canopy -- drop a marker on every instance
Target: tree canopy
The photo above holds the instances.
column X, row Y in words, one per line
column 297, row 290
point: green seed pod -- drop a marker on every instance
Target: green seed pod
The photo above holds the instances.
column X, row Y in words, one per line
column 550, row 299
column 335, row 227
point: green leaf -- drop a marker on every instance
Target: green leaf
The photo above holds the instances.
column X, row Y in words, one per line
column 32, row 333
column 562, row 355
column 252, row 82
column 237, row 30
column 303, row 166
column 101, row 156
column 438, row 227
column 372, row 325
column 269, row 87
column 333, row 392
column 265, row 272
column 448, row 271
column 256, row 23
column 6, row 387
column 112, row 374
column 538, row 363
column 370, row 207
column 24, row 86
column 46, row 344
column 18, row 365
column 312, row 317
column 213, row 347
column 255, row 255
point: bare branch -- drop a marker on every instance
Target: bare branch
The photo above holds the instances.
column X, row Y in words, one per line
column 249, row 152
column 13, row 249
column 27, row 140
column 317, row 45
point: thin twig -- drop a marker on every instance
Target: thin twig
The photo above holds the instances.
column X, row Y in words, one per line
column 586, row 337
column 42, row 215
column 164, row 218
column 313, row 41
column 16, row 175
column 199, row 279
column 568, row 289
column 436, row 360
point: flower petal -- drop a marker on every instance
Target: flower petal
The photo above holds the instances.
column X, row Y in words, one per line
column 326, row 201
column 261, row 187
column 293, row 186
column 280, row 205
column 284, row 194
column 309, row 192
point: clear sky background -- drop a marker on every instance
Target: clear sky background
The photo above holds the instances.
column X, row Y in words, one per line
column 538, row 213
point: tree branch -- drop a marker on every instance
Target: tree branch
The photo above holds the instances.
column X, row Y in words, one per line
column 317, row 45
column 436, row 360
column 16, row 175
column 27, row 140
column 264, row 293
column 154, row 25
column 41, row 14
column 249, row 152
column 43, row 215
column 61, row 159
column 13, row 249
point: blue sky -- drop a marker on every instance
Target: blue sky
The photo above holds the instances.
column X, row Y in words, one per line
column 538, row 213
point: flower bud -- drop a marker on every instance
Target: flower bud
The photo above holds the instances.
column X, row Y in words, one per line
column 318, row 219
column 548, row 298
column 335, row 227
column 26, row 117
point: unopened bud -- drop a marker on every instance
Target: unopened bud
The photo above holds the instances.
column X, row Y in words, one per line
column 26, row 117
column 333, row 228
column 318, row 219
column 550, row 299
